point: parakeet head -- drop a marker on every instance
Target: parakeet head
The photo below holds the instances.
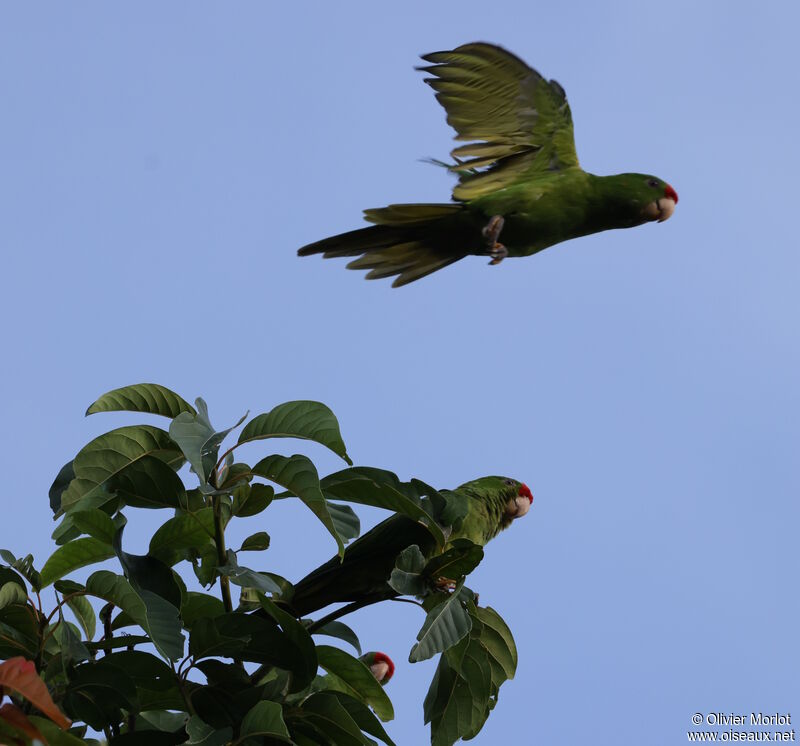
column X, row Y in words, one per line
column 516, row 496
column 641, row 198
column 380, row 664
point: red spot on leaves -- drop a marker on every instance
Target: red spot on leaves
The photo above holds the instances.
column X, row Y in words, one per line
column 525, row 491
column 383, row 658
column 671, row 193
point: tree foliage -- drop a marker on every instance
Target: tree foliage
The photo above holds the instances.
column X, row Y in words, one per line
column 134, row 656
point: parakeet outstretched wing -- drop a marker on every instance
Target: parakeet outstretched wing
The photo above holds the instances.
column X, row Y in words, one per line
column 517, row 123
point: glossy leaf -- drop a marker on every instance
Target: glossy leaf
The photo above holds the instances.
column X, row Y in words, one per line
column 98, row 692
column 156, row 616
column 265, row 720
column 200, row 606
column 364, row 718
column 12, row 593
column 94, row 522
column 60, row 483
column 354, row 678
column 202, row 734
column 251, row 499
column 150, row 398
column 150, row 483
column 446, row 624
column 84, row 613
column 460, row 560
column 345, row 520
column 297, row 634
column 333, row 720
column 184, row 531
column 198, row 439
column 257, row 542
column 380, row 489
column 247, row 578
column 341, row 631
column 76, row 554
column 206, row 641
column 406, row 577
column 106, row 457
column 146, row 573
column 308, row 420
column 298, row 475
column 55, row 736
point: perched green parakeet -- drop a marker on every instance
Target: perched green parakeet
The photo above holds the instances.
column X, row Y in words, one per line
column 492, row 503
column 520, row 188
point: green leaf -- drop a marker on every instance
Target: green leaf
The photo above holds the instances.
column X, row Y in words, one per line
column 446, row 624
column 496, row 637
column 150, row 483
column 76, row 554
column 106, row 457
column 341, row 631
column 265, row 720
column 327, row 713
column 354, row 678
column 308, row 420
column 460, row 560
column 246, row 578
column 406, row 577
column 12, row 593
column 465, row 687
column 363, row 717
column 24, row 566
column 198, row 439
column 60, row 483
column 152, row 613
column 257, row 542
column 206, row 641
column 345, row 520
column 184, row 531
column 298, row 635
column 84, row 613
column 97, row 693
column 150, row 398
column 200, row 606
column 381, row 489
column 298, row 475
column 202, row 734
column 95, row 522
column 68, row 638
column 251, row 499
column 146, row 573
column 54, row 735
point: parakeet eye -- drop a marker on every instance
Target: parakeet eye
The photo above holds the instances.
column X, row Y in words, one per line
column 652, row 183
column 509, row 482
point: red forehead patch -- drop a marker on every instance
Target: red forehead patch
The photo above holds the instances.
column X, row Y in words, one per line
column 525, row 491
column 671, row 193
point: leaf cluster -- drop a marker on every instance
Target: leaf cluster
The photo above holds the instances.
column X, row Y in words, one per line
column 137, row 656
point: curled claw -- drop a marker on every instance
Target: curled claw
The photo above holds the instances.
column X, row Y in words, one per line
column 498, row 252
column 491, row 232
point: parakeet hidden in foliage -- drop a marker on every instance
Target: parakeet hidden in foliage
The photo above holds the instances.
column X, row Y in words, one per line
column 491, row 503
column 520, row 188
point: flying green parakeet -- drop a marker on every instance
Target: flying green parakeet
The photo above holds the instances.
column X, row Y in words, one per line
column 492, row 503
column 520, row 188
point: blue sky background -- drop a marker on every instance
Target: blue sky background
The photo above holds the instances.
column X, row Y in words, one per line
column 161, row 163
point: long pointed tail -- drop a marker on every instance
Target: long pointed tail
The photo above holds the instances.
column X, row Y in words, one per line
column 409, row 241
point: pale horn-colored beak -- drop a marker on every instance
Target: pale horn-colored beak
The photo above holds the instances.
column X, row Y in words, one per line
column 660, row 209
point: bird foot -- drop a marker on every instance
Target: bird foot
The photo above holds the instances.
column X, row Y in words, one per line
column 491, row 232
column 498, row 252
column 444, row 584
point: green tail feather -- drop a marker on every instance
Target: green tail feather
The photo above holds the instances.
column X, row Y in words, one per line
column 410, row 241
